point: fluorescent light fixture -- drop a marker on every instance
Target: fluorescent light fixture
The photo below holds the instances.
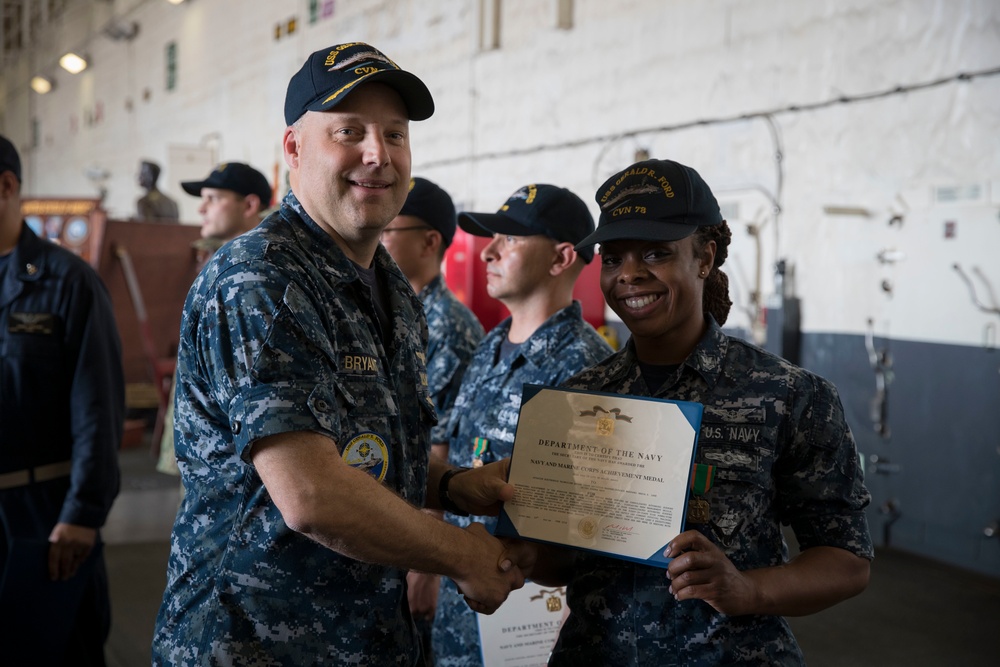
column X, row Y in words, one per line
column 41, row 85
column 73, row 63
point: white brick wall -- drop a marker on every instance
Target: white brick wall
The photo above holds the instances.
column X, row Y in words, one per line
column 544, row 106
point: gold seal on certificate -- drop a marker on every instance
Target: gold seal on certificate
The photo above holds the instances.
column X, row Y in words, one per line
column 587, row 527
column 553, row 602
column 602, row 472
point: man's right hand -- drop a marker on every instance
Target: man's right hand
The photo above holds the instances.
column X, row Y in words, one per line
column 487, row 585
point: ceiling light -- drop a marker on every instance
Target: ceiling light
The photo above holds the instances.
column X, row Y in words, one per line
column 175, row 2
column 41, row 85
column 73, row 63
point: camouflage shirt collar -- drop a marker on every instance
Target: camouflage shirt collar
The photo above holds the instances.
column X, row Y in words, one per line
column 706, row 359
column 543, row 345
column 709, row 354
column 318, row 243
column 432, row 291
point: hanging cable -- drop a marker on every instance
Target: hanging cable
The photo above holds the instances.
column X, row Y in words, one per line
column 792, row 108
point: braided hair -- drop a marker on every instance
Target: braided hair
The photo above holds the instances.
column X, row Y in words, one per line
column 715, row 297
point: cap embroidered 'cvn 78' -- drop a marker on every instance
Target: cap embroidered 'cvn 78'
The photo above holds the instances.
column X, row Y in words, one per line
column 329, row 75
column 654, row 200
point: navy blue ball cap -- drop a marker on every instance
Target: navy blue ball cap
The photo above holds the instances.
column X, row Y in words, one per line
column 654, row 200
column 433, row 205
column 9, row 159
column 240, row 178
column 537, row 209
column 331, row 74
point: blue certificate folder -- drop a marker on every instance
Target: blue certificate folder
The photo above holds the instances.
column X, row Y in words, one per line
column 605, row 473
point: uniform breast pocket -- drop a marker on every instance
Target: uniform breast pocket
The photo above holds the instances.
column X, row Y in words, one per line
column 365, row 398
column 36, row 364
column 738, row 446
column 737, row 465
column 37, row 347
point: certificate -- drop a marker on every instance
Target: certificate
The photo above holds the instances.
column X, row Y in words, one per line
column 603, row 472
column 522, row 632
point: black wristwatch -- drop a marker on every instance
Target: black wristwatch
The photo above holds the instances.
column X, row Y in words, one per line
column 447, row 504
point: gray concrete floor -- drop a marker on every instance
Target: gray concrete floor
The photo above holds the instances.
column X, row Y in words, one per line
column 137, row 542
column 915, row 613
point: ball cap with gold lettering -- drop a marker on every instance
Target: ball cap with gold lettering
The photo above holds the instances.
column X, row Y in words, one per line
column 534, row 210
column 331, row 74
column 654, row 200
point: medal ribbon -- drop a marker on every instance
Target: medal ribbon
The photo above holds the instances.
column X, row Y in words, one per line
column 702, row 477
column 479, row 447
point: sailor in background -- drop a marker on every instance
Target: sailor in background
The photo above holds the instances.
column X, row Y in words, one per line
column 62, row 404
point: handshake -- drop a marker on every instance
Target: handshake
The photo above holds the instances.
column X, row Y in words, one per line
column 486, row 569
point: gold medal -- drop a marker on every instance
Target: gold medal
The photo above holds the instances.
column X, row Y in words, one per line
column 698, row 510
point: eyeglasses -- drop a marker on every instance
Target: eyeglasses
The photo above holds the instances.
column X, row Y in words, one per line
column 406, row 229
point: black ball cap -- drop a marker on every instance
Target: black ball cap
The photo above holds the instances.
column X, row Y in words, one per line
column 653, row 200
column 330, row 75
column 429, row 202
column 537, row 209
column 236, row 176
column 9, row 159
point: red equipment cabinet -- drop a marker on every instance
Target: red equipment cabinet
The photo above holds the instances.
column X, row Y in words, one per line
column 465, row 273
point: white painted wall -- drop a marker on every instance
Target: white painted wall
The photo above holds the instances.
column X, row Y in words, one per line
column 552, row 105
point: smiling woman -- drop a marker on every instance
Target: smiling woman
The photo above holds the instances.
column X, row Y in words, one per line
column 774, row 444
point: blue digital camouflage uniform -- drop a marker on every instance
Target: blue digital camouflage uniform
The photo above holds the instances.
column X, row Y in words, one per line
column 487, row 406
column 453, row 334
column 784, row 454
column 278, row 335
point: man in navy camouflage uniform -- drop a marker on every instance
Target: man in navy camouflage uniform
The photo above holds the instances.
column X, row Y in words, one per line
column 303, row 413
column 417, row 239
column 775, row 433
column 531, row 266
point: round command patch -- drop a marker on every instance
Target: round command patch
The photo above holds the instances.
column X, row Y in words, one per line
column 368, row 452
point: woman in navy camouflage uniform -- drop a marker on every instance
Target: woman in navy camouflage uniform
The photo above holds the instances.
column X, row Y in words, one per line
column 775, row 434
